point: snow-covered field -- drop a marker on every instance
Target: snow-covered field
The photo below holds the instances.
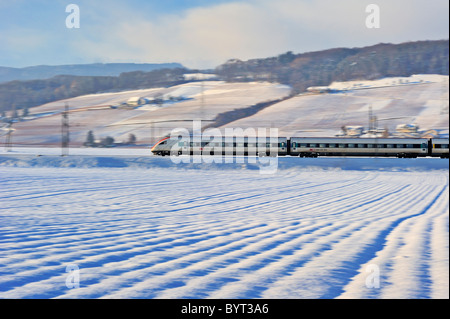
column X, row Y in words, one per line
column 144, row 227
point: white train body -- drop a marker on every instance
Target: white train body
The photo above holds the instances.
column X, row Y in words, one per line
column 399, row 147
column 303, row 146
column 246, row 146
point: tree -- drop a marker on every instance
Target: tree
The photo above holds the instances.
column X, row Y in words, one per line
column 287, row 57
column 131, row 139
column 90, row 139
column 14, row 115
column 107, row 141
column 25, row 112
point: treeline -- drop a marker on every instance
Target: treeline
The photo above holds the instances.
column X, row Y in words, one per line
column 229, row 116
column 300, row 71
column 20, row 95
column 342, row 64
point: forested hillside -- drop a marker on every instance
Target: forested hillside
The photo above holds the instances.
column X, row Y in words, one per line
column 24, row 94
column 94, row 69
column 300, row 71
column 343, row 64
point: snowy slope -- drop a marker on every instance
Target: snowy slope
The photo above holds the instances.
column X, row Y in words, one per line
column 420, row 99
column 201, row 101
column 144, row 227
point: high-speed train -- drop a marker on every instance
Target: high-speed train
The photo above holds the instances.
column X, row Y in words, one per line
column 304, row 146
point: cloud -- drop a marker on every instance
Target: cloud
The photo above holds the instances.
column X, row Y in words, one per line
column 206, row 36
column 197, row 37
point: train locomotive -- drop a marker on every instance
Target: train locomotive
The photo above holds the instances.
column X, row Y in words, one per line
column 304, row 146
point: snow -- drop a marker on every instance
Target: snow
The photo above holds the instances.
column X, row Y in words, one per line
column 420, row 99
column 201, row 101
column 131, row 225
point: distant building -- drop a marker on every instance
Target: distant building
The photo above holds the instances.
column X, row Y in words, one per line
column 351, row 131
column 354, row 130
column 136, row 101
column 407, row 128
column 321, row 89
column 199, row 76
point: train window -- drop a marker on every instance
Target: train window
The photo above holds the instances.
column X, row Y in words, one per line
column 390, row 145
column 409, row 145
column 424, row 145
column 342, row 145
column 362, row 145
column 371, row 145
column 381, row 145
column 312, row 145
column 332, row 145
column 282, row 144
column 304, row 145
column 351, row 145
column 323, row 145
column 400, row 145
column 444, row 145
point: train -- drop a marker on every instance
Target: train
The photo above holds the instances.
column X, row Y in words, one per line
column 303, row 146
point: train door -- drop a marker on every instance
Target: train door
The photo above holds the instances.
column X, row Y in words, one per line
column 185, row 147
column 430, row 147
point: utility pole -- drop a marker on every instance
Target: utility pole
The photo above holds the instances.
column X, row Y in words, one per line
column 65, row 131
column 370, row 119
column 8, row 142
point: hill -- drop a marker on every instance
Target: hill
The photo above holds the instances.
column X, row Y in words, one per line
column 105, row 116
column 419, row 99
column 25, row 94
column 95, row 69
column 301, row 71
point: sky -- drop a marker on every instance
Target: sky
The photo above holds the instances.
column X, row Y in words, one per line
column 205, row 33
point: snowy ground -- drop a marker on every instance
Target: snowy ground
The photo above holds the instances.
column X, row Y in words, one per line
column 144, row 227
column 419, row 99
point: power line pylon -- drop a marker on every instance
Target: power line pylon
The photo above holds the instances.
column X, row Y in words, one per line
column 8, row 142
column 65, row 131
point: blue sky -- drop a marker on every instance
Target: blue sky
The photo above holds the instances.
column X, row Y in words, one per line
column 204, row 33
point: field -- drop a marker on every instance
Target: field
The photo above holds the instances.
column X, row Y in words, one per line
column 104, row 226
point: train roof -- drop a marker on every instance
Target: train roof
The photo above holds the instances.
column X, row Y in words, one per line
column 357, row 140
